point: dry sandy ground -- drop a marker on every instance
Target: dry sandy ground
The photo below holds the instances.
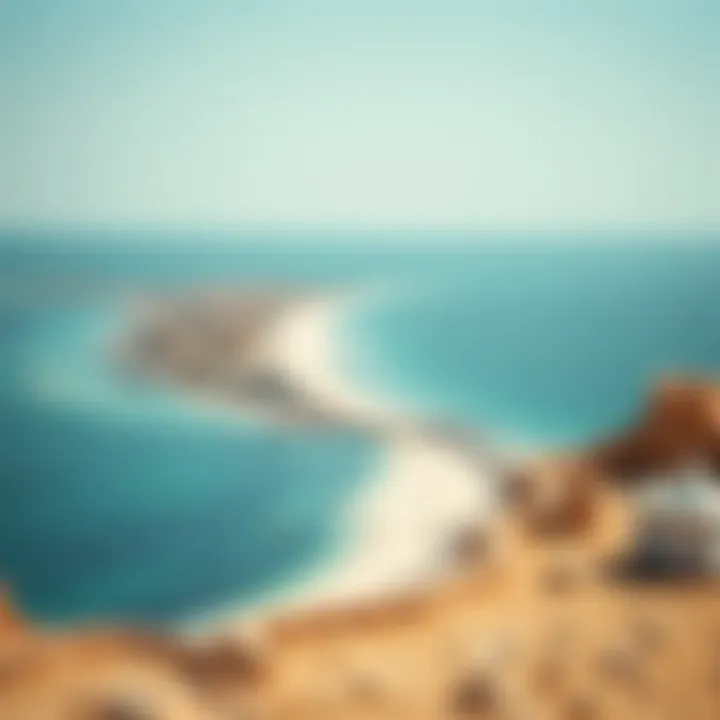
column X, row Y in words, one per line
column 541, row 632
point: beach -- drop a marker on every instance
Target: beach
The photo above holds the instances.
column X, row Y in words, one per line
column 426, row 487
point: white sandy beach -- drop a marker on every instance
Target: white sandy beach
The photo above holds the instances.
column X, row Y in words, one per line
column 425, row 487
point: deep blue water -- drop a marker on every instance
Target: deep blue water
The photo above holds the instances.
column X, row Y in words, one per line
column 122, row 503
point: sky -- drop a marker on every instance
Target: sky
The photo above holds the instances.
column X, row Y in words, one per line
column 449, row 113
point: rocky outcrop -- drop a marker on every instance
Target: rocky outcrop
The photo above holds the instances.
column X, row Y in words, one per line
column 554, row 495
column 680, row 425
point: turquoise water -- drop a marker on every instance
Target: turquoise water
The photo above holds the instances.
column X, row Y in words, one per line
column 543, row 346
column 124, row 503
column 130, row 503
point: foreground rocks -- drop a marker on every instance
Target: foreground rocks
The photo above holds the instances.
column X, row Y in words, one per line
column 680, row 424
column 678, row 428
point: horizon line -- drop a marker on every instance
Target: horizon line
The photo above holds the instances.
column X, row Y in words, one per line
column 183, row 230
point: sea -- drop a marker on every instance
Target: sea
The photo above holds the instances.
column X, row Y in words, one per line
column 122, row 503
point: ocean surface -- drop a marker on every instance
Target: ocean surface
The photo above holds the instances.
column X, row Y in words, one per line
column 127, row 504
column 131, row 503
column 550, row 346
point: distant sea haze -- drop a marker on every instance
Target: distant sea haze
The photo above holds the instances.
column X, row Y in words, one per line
column 134, row 505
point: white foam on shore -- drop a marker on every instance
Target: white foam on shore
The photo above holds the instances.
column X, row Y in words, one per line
column 425, row 488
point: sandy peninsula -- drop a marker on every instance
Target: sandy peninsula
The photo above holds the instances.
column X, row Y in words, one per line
column 277, row 356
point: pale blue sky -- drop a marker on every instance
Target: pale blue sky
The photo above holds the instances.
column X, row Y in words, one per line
column 462, row 113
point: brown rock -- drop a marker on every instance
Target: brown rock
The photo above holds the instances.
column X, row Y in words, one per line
column 470, row 545
column 681, row 423
column 581, row 708
column 621, row 665
column 562, row 578
column 476, row 695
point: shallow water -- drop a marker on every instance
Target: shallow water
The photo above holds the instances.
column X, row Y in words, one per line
column 126, row 503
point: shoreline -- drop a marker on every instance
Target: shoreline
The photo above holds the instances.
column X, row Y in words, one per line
column 426, row 488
